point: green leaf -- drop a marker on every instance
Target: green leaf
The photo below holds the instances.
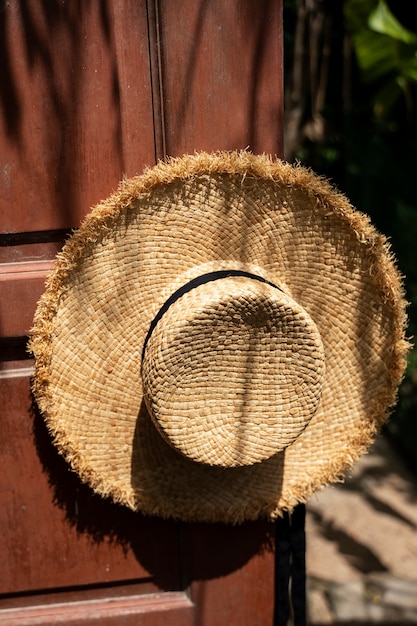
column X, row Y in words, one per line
column 381, row 20
column 410, row 69
column 376, row 54
column 379, row 54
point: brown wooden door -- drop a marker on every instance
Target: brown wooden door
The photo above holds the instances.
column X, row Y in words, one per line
column 91, row 90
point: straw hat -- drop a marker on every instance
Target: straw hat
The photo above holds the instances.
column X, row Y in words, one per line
column 221, row 337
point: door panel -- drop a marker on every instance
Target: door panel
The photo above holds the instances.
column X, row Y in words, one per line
column 221, row 83
column 42, row 543
column 77, row 105
column 90, row 92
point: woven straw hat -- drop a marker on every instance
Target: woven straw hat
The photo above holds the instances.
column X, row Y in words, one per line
column 221, row 337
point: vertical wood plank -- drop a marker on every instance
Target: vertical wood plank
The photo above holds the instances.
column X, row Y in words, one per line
column 221, row 68
column 231, row 572
column 76, row 108
column 221, row 72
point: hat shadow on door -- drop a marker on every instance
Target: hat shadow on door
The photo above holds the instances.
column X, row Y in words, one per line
column 203, row 544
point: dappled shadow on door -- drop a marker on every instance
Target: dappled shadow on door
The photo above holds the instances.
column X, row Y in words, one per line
column 149, row 538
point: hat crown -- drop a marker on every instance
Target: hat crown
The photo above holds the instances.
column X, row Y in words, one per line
column 233, row 371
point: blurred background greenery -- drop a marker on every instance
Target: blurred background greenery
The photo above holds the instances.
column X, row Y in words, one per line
column 350, row 114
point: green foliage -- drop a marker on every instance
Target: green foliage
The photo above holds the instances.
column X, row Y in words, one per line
column 370, row 145
column 386, row 52
column 381, row 156
column 381, row 20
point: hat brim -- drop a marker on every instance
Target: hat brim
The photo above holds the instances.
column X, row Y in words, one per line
column 177, row 221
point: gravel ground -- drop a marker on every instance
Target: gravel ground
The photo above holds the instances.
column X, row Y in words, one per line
column 362, row 544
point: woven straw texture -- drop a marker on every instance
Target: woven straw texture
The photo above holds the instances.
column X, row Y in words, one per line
column 233, row 372
column 147, row 435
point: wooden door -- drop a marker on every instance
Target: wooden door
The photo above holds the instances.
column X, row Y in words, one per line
column 91, row 90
